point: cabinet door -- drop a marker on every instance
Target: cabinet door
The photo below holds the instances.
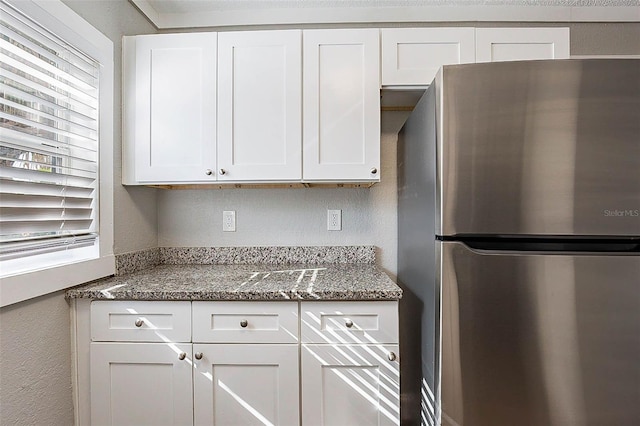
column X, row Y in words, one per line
column 513, row 44
column 246, row 385
column 350, row 385
column 141, row 384
column 414, row 55
column 260, row 105
column 175, row 107
column 341, row 92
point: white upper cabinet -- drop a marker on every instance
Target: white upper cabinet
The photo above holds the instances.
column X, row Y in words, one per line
column 286, row 106
column 170, row 108
column 412, row 56
column 513, row 44
column 341, row 93
column 260, row 105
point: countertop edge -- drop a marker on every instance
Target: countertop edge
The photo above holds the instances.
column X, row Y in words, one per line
column 362, row 282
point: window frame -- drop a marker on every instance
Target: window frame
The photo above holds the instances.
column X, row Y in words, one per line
column 68, row 25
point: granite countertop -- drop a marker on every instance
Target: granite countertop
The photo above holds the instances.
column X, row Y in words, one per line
column 357, row 281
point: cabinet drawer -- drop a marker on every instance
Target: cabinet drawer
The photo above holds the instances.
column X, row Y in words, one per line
column 134, row 321
column 243, row 322
column 349, row 322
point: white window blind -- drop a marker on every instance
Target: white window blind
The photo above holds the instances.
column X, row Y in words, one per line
column 48, row 141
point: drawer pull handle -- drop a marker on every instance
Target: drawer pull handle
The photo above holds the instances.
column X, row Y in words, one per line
column 198, row 355
column 244, row 323
column 348, row 323
column 139, row 322
column 182, row 356
column 392, row 356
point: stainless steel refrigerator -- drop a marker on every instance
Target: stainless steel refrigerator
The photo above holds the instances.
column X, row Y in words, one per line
column 519, row 236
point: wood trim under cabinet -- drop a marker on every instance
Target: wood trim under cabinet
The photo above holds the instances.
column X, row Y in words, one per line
column 264, row 185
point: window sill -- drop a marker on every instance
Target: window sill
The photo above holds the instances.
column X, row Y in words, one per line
column 18, row 288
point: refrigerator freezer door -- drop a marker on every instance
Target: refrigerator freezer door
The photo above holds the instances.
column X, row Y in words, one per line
column 539, row 148
column 539, row 339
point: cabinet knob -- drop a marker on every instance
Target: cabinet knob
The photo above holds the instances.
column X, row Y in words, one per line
column 182, row 356
column 392, row 356
column 374, row 171
column 223, row 172
column 209, row 172
column 244, row 323
column 348, row 323
column 198, row 355
column 139, row 322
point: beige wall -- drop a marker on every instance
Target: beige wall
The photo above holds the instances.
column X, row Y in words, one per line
column 35, row 363
column 35, row 367
column 605, row 39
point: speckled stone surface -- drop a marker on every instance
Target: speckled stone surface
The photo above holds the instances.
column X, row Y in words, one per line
column 246, row 282
column 128, row 263
column 267, row 255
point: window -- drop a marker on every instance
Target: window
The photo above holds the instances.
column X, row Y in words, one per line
column 52, row 198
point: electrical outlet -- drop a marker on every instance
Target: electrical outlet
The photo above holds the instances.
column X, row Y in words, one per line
column 334, row 220
column 229, row 221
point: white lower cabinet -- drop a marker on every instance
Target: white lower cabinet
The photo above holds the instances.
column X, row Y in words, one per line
column 236, row 363
column 141, row 384
column 246, row 384
column 350, row 363
column 350, row 385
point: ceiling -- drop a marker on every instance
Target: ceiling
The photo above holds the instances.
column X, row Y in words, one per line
column 221, row 13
